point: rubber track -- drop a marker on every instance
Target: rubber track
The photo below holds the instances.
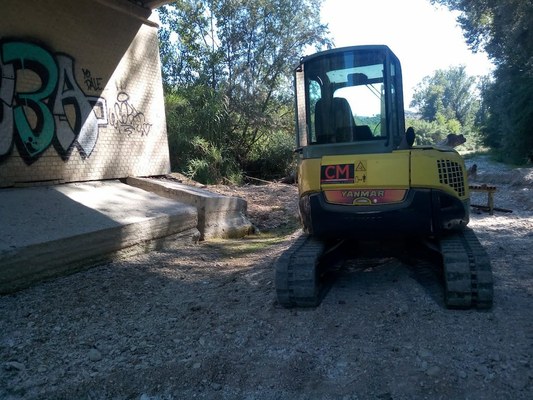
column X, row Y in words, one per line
column 298, row 281
column 467, row 271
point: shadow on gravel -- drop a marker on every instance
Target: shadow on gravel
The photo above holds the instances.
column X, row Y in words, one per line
column 422, row 265
column 430, row 277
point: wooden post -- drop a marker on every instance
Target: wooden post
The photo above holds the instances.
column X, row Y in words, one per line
column 490, row 193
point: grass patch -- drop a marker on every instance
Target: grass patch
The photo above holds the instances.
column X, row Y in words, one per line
column 244, row 246
column 254, row 243
column 283, row 230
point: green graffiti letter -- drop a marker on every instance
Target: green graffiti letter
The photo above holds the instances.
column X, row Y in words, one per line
column 29, row 56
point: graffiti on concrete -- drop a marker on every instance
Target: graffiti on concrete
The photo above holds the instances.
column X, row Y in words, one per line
column 45, row 105
column 126, row 119
column 91, row 82
column 7, row 88
column 85, row 133
column 53, row 111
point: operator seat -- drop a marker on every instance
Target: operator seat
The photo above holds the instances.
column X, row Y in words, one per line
column 333, row 124
column 343, row 119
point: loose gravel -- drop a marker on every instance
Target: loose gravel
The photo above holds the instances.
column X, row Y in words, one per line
column 202, row 321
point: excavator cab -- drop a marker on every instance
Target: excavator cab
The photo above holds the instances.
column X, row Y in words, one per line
column 361, row 178
column 348, row 101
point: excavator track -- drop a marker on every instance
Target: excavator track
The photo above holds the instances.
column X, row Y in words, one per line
column 467, row 271
column 298, row 280
column 301, row 270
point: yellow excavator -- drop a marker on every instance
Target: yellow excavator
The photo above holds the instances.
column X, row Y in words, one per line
column 361, row 178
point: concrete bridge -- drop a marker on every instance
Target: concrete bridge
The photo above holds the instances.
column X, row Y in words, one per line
column 82, row 131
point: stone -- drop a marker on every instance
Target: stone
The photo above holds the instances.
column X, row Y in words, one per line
column 433, row 370
column 424, row 353
column 14, row 365
column 95, row 355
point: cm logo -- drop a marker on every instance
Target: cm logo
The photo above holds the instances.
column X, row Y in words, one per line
column 337, row 173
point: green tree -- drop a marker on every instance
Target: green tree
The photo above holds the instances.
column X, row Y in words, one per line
column 448, row 103
column 448, row 93
column 509, row 99
column 502, row 28
column 239, row 55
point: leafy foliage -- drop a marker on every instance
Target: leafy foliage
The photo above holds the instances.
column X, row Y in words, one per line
column 273, row 158
column 503, row 29
column 508, row 126
column 210, row 165
column 447, row 94
column 194, row 111
column 227, row 70
column 500, row 27
column 448, row 103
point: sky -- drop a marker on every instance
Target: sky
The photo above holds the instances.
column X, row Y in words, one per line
column 423, row 36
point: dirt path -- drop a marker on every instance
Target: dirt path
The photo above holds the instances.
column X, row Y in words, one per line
column 203, row 323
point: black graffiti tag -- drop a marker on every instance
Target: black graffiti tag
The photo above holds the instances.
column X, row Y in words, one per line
column 90, row 82
column 126, row 119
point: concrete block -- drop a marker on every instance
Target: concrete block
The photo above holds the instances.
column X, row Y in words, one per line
column 218, row 216
column 58, row 230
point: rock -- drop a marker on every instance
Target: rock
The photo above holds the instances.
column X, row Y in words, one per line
column 14, row 365
column 490, row 377
column 433, row 371
column 95, row 355
column 424, row 353
column 342, row 364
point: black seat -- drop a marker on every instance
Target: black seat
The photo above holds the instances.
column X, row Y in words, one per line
column 343, row 119
column 333, row 124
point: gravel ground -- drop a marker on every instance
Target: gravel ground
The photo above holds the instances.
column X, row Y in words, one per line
column 202, row 322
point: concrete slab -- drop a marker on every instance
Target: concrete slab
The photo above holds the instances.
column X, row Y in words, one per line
column 52, row 230
column 218, row 216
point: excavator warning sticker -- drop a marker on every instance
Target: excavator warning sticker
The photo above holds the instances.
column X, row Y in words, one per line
column 365, row 197
column 361, row 172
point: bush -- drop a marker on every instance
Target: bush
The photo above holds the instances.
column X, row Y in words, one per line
column 427, row 133
column 179, row 139
column 198, row 131
column 272, row 157
column 207, row 146
column 209, row 165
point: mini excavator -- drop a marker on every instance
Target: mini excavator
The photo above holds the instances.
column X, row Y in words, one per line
column 360, row 176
